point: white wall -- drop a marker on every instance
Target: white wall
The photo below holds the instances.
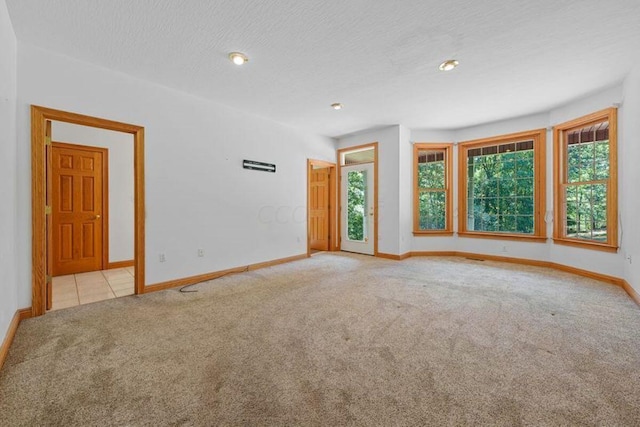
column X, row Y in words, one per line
column 597, row 261
column 630, row 177
column 121, row 179
column 405, row 196
column 388, row 182
column 8, row 214
column 197, row 194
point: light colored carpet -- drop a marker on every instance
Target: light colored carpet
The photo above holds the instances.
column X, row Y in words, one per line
column 338, row 339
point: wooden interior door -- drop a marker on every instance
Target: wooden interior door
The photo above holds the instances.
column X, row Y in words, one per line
column 319, row 209
column 78, row 188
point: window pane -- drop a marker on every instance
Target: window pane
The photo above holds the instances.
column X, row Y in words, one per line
column 573, row 163
column 431, row 169
column 432, row 210
column 356, row 205
column 588, row 153
column 586, row 212
column 602, row 160
column 500, row 189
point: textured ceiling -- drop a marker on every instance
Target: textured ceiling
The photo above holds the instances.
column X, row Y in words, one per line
column 379, row 58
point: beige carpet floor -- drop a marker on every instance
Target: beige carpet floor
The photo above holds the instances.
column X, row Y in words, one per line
column 338, row 339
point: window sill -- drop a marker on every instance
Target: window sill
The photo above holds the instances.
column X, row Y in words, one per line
column 585, row 245
column 432, row 233
column 503, row 236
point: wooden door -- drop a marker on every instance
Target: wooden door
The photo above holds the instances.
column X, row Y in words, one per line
column 78, row 180
column 319, row 209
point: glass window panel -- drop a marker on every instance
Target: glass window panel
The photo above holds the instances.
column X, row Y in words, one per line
column 356, row 205
column 524, row 187
column 432, row 210
column 509, row 223
column 499, row 186
column 431, row 175
column 360, row 156
column 573, row 163
column 602, row 160
column 586, row 212
column 525, row 224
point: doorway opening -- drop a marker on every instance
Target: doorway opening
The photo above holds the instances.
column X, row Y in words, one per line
column 81, row 186
column 92, row 194
column 321, row 207
column 358, row 195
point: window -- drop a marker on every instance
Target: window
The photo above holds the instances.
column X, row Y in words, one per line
column 502, row 186
column 585, row 160
column 432, row 201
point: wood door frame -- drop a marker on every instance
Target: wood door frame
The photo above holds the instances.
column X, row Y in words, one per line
column 39, row 117
column 334, row 237
column 339, row 153
column 105, row 194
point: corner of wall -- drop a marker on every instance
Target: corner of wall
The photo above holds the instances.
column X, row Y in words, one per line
column 629, row 175
column 8, row 171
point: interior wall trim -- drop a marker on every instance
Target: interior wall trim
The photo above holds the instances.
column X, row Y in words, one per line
column 18, row 317
column 633, row 294
column 215, row 274
column 121, row 264
column 394, row 257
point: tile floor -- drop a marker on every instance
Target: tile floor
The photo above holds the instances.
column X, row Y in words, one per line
column 83, row 288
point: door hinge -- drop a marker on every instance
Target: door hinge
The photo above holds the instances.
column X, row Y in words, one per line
column 47, row 140
column 47, row 210
column 48, row 278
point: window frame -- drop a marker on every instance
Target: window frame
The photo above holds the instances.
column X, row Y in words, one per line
column 539, row 138
column 447, row 148
column 560, row 180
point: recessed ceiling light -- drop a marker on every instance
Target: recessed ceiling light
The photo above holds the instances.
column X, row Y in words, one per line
column 238, row 58
column 448, row 65
column 336, row 106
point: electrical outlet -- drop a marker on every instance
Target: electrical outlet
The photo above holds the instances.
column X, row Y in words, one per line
column 200, row 253
column 161, row 258
column 629, row 258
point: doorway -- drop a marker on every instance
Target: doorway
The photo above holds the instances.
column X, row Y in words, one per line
column 92, row 215
column 359, row 199
column 321, row 202
column 42, row 198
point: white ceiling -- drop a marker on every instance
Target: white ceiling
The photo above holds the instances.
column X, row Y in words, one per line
column 379, row 58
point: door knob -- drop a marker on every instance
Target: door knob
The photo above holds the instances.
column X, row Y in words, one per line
column 96, row 217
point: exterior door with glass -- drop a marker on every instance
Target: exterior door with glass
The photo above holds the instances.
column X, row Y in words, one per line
column 357, row 208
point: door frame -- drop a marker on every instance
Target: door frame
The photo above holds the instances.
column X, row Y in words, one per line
column 105, row 195
column 39, row 253
column 339, row 154
column 334, row 237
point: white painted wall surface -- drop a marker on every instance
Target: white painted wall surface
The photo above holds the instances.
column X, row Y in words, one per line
column 197, row 193
column 597, row 261
column 592, row 260
column 388, row 179
column 405, row 196
column 630, row 178
column 9, row 302
column 121, row 191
